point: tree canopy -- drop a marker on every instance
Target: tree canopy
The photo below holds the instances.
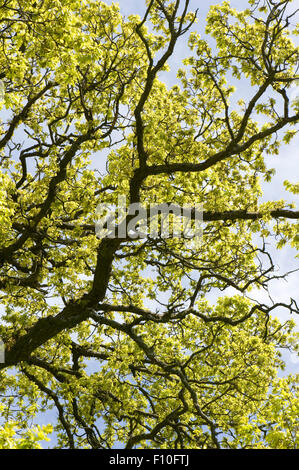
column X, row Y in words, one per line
column 119, row 336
